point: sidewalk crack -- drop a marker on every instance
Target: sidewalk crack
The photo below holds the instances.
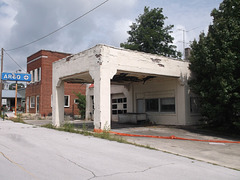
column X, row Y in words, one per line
column 132, row 172
column 94, row 175
column 117, row 173
column 17, row 164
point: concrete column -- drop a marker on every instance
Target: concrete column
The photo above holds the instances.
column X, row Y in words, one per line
column 102, row 97
column 58, row 104
column 181, row 102
column 88, row 103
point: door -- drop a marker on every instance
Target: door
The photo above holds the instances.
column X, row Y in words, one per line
column 27, row 105
column 140, row 106
column 37, row 104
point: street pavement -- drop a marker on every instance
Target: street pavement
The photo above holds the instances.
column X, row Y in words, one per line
column 223, row 154
column 33, row 152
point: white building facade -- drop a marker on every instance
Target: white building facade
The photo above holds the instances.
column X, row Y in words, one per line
column 127, row 82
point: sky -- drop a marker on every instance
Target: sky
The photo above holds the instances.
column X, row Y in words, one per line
column 25, row 21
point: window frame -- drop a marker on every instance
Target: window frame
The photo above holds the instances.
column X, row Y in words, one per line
column 68, row 105
column 76, row 101
column 167, row 111
column 148, row 109
column 39, row 74
column 159, row 105
column 32, row 102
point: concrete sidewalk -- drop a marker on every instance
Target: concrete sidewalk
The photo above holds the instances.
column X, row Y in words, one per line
column 222, row 154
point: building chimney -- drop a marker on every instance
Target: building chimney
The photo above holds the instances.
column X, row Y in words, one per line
column 187, row 53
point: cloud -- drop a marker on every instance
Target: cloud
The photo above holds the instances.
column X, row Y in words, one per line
column 31, row 20
column 27, row 20
column 7, row 15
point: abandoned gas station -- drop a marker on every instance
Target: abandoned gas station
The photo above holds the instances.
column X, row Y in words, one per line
column 127, row 86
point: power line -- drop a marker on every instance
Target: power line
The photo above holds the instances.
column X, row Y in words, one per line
column 43, row 37
column 14, row 61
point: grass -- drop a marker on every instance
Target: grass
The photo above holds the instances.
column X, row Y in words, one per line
column 17, row 119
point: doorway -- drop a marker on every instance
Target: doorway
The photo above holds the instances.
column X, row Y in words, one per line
column 140, row 106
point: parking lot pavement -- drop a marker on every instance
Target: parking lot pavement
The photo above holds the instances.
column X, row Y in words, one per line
column 223, row 154
column 32, row 152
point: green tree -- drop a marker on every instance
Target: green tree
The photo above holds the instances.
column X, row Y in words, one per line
column 13, row 86
column 215, row 64
column 81, row 104
column 149, row 35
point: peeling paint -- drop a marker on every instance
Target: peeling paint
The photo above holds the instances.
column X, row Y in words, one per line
column 156, row 60
column 98, row 56
column 161, row 65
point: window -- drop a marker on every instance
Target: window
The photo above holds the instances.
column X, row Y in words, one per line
column 39, row 74
column 119, row 106
column 120, row 100
column 114, row 100
column 76, row 101
column 168, row 105
column 33, row 76
column 152, row 105
column 114, row 106
column 36, row 75
column 37, row 104
column 67, row 101
column 32, row 102
column 114, row 111
column 194, row 105
column 162, row 104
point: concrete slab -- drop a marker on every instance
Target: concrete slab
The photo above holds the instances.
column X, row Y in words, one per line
column 31, row 152
column 223, row 154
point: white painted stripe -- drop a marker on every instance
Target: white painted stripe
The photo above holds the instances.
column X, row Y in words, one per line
column 37, row 59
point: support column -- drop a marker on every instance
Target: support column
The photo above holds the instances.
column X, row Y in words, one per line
column 181, row 101
column 88, row 103
column 102, row 97
column 58, row 104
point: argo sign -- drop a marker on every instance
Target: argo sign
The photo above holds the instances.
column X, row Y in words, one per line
column 16, row 77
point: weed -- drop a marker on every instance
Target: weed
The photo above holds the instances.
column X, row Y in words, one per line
column 17, row 119
column 103, row 135
column 50, row 126
column 68, row 127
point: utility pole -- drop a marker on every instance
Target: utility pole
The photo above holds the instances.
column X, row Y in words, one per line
column 16, row 99
column 1, row 80
column 183, row 41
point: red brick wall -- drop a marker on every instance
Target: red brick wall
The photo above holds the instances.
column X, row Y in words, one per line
column 44, row 87
column 71, row 89
column 33, row 89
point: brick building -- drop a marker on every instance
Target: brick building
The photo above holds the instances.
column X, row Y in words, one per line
column 39, row 90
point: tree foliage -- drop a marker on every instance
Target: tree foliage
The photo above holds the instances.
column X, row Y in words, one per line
column 81, row 104
column 149, row 35
column 13, row 86
column 215, row 64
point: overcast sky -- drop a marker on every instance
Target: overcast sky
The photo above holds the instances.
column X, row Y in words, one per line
column 27, row 20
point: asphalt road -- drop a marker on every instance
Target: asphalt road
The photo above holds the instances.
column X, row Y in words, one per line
column 32, row 152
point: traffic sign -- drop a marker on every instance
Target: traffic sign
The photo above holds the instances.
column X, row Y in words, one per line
column 16, row 76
